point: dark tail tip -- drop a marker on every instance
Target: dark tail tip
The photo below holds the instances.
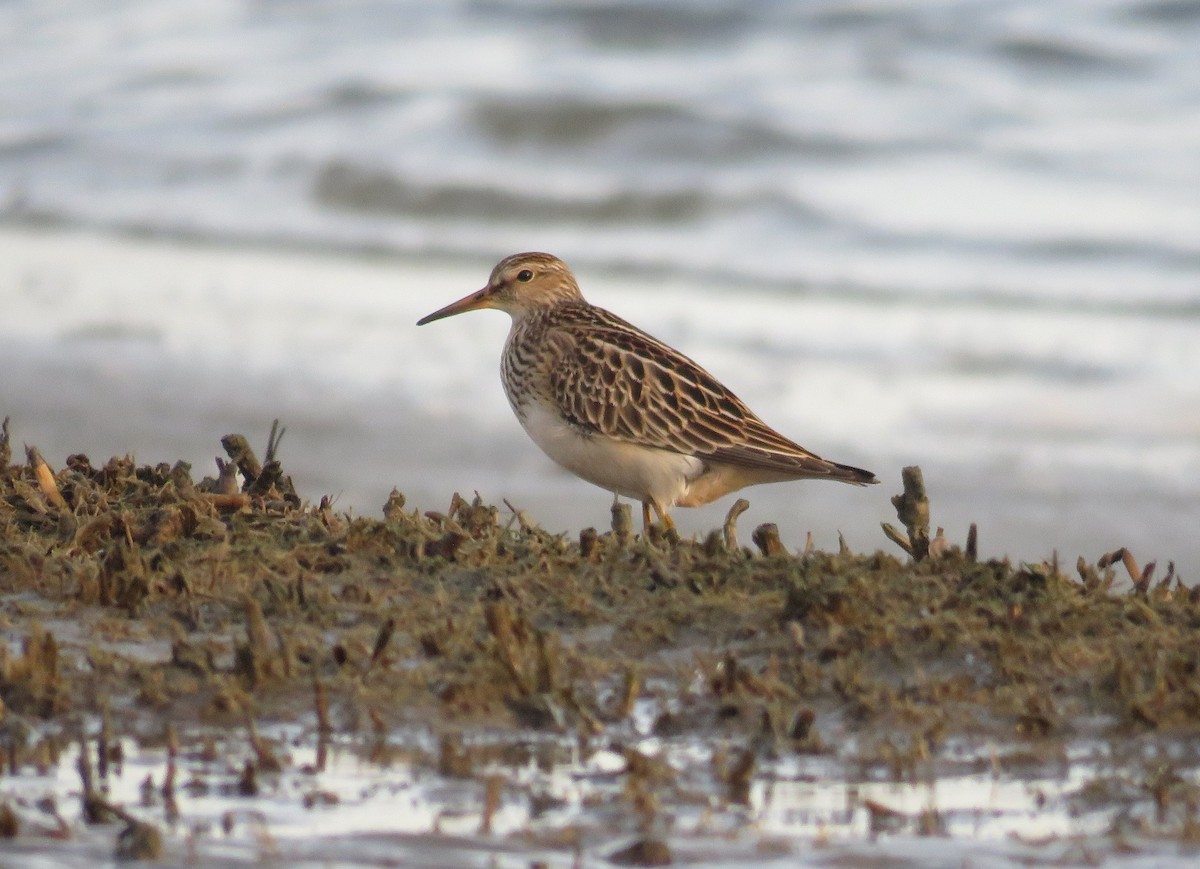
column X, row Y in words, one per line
column 857, row 476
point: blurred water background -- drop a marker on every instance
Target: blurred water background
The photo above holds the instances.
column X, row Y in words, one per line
column 964, row 235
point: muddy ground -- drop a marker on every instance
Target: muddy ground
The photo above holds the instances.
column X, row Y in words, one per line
column 143, row 604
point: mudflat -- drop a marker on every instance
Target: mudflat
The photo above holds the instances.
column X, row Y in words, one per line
column 189, row 658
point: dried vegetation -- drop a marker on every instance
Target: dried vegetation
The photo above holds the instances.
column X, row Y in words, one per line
column 219, row 603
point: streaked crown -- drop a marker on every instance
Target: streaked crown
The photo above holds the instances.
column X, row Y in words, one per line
column 525, row 282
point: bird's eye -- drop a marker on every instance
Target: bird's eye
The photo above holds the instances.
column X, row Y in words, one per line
column 524, row 276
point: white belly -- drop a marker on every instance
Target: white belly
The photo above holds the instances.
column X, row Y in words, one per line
column 628, row 469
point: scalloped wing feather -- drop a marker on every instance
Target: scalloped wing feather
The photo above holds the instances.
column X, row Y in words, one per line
column 614, row 379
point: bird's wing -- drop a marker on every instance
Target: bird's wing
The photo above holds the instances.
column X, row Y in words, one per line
column 616, row 380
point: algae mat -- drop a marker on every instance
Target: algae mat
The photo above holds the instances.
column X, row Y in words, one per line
column 215, row 672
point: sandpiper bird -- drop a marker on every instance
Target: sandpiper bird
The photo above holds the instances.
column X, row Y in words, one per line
column 621, row 409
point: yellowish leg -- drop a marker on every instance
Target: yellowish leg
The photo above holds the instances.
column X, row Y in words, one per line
column 663, row 516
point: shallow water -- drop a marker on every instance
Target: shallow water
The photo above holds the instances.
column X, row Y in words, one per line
column 497, row 698
column 373, row 802
column 960, row 235
column 241, row 337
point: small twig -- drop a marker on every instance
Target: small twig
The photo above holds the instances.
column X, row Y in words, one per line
column 766, row 538
column 587, row 542
column 45, row 478
column 264, row 755
column 1142, row 583
column 499, row 619
column 321, row 704
column 5, row 445
column 522, row 519
column 1131, row 566
column 622, row 521
column 273, row 439
column 939, row 544
column 740, row 506
column 493, row 791
column 631, row 686
column 897, row 536
column 227, row 483
column 381, row 640
column 912, row 509
column 94, row 808
column 238, row 449
column 271, row 474
column 1126, row 558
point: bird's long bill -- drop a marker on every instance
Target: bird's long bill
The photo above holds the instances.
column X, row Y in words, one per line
column 472, row 302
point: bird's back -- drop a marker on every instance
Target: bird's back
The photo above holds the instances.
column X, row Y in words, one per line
column 605, row 376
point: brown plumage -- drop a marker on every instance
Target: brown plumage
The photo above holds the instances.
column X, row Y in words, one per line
column 622, row 409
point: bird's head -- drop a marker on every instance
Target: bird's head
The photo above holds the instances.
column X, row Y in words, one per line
column 519, row 285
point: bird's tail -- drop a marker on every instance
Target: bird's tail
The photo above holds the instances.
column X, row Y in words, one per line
column 853, row 475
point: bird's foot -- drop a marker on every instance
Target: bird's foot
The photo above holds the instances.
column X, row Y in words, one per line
column 664, row 518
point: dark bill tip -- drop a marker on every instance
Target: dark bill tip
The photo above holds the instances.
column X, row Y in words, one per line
column 469, row 303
